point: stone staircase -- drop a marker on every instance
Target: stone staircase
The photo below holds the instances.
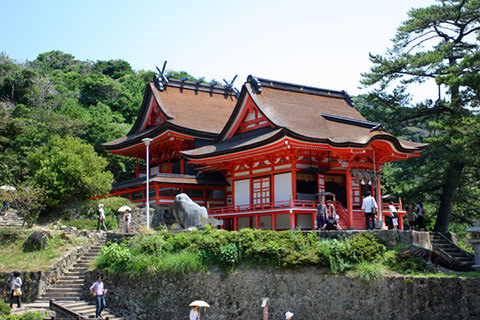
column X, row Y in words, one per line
column 444, row 246
column 69, row 289
column 87, row 310
column 13, row 219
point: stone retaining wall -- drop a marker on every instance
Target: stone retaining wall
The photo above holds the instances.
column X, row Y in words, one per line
column 391, row 238
column 36, row 282
column 308, row 292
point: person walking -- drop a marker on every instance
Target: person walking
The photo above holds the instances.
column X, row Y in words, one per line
column 127, row 220
column 369, row 207
column 16, row 290
column 101, row 217
column 98, row 290
column 420, row 216
column 194, row 313
column 393, row 215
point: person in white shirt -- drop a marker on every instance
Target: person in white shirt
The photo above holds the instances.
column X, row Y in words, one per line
column 101, row 217
column 394, row 215
column 369, row 207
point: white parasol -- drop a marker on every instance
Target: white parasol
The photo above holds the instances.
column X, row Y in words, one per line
column 199, row 303
column 124, row 208
column 8, row 188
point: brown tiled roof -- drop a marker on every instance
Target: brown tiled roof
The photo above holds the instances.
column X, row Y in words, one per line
column 309, row 114
column 195, row 109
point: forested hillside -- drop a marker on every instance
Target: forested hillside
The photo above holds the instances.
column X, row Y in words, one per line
column 56, row 111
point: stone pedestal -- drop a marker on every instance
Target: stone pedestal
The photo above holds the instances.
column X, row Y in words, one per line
column 475, row 242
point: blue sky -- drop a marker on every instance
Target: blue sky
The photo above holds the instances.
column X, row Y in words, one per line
column 319, row 43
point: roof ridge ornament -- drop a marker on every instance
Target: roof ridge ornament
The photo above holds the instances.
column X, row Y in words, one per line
column 229, row 86
column 348, row 99
column 378, row 127
column 161, row 80
column 256, row 84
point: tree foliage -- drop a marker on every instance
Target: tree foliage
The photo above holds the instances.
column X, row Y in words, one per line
column 86, row 103
column 440, row 42
column 68, row 168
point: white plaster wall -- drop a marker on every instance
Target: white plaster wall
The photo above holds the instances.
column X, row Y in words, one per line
column 282, row 186
column 242, row 192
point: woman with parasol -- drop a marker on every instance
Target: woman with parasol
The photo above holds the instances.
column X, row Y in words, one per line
column 194, row 312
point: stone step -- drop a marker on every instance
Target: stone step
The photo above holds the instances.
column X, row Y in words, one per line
column 73, row 280
column 88, row 310
column 67, row 292
column 69, row 277
column 58, row 298
column 68, row 286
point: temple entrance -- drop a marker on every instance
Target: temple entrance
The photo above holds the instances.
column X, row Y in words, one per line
column 307, row 186
column 335, row 183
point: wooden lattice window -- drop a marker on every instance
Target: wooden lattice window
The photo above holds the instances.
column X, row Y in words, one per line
column 261, row 190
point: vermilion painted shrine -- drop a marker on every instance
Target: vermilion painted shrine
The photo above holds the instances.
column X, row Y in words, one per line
column 262, row 160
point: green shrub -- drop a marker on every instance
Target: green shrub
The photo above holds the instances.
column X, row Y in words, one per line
column 25, row 316
column 4, row 309
column 114, row 257
column 229, row 255
column 366, row 247
column 340, row 258
column 323, row 252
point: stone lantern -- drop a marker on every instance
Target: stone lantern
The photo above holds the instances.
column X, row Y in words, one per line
column 475, row 241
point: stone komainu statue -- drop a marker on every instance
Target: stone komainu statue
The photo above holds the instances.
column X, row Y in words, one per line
column 188, row 213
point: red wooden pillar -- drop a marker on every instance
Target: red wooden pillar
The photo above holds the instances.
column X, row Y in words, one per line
column 294, row 180
column 274, row 221
column 379, row 199
column 235, row 223
column 292, row 219
column 257, row 221
column 136, row 167
column 349, row 198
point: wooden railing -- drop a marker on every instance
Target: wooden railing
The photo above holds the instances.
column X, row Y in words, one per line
column 263, row 206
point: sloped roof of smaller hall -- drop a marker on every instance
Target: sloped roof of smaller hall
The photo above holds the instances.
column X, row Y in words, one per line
column 189, row 108
column 202, row 110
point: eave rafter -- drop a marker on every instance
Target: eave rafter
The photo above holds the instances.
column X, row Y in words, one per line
column 165, row 143
column 320, row 155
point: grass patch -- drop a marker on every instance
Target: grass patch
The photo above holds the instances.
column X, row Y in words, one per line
column 369, row 271
column 14, row 257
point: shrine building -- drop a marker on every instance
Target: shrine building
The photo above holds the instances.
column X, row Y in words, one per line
column 260, row 158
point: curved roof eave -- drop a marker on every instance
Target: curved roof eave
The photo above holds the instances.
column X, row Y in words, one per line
column 156, row 131
column 285, row 132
